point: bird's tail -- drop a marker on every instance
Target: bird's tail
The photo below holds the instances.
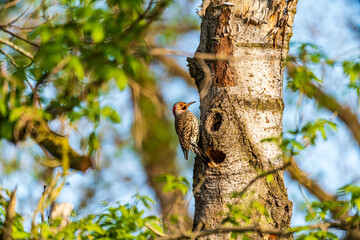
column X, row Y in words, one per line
column 207, row 159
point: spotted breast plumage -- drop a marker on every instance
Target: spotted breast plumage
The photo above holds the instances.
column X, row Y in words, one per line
column 187, row 129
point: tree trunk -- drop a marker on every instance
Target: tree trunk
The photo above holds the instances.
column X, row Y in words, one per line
column 241, row 104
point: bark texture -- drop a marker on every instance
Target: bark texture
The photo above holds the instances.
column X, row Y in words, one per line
column 241, row 105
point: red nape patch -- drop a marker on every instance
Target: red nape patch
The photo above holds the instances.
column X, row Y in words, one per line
column 174, row 110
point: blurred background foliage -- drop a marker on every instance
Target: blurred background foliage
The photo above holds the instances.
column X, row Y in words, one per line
column 88, row 85
column 71, row 72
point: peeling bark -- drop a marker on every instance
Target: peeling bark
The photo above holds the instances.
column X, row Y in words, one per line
column 241, row 105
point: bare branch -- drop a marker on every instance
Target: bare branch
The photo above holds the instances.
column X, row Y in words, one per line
column 9, row 4
column 21, row 38
column 297, row 174
column 317, row 191
column 17, row 48
column 255, row 229
column 175, row 69
column 261, row 175
column 9, row 57
column 55, row 144
column 158, row 233
column 141, row 17
column 9, row 219
column 17, row 18
column 345, row 113
column 198, row 55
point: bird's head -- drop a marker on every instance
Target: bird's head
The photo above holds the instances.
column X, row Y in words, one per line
column 181, row 107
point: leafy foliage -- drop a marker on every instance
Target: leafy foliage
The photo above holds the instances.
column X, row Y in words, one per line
column 115, row 222
column 241, row 214
column 80, row 49
column 304, row 76
column 352, row 70
column 173, row 183
column 318, row 235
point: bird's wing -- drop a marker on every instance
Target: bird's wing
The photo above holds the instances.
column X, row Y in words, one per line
column 184, row 132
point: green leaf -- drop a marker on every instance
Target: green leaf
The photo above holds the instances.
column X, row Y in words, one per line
column 16, row 113
column 110, row 113
column 97, row 33
column 121, row 79
column 76, row 66
column 6, row 130
column 173, row 183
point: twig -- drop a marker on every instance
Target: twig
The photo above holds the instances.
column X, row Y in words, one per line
column 141, row 17
column 157, row 11
column 198, row 55
column 298, row 175
column 17, row 48
column 152, row 95
column 330, row 103
column 23, row 28
column 255, row 229
column 9, row 4
column 45, row 197
column 22, row 14
column 158, row 233
column 261, row 175
column 345, row 114
column 175, row 68
column 31, row 27
column 9, row 57
column 19, row 37
column 9, row 219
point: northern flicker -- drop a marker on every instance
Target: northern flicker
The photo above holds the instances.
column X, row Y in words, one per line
column 187, row 129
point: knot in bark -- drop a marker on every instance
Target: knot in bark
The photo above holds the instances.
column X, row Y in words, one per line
column 216, row 123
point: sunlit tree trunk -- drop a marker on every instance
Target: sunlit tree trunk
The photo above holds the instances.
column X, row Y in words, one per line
column 241, row 105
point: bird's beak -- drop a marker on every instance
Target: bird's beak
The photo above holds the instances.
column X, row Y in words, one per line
column 190, row 103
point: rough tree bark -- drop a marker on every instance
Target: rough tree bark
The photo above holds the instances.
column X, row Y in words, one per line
column 241, row 104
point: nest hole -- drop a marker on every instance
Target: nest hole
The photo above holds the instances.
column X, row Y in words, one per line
column 216, row 122
column 216, row 155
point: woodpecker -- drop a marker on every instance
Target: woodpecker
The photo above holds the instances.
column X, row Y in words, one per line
column 187, row 129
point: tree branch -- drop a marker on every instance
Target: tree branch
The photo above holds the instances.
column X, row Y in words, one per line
column 317, row 191
column 344, row 112
column 9, row 57
column 141, row 17
column 17, row 48
column 255, row 229
column 18, row 17
column 9, row 4
column 205, row 56
column 58, row 146
column 301, row 177
column 9, row 219
column 330, row 103
column 175, row 69
column 261, row 175
column 19, row 37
